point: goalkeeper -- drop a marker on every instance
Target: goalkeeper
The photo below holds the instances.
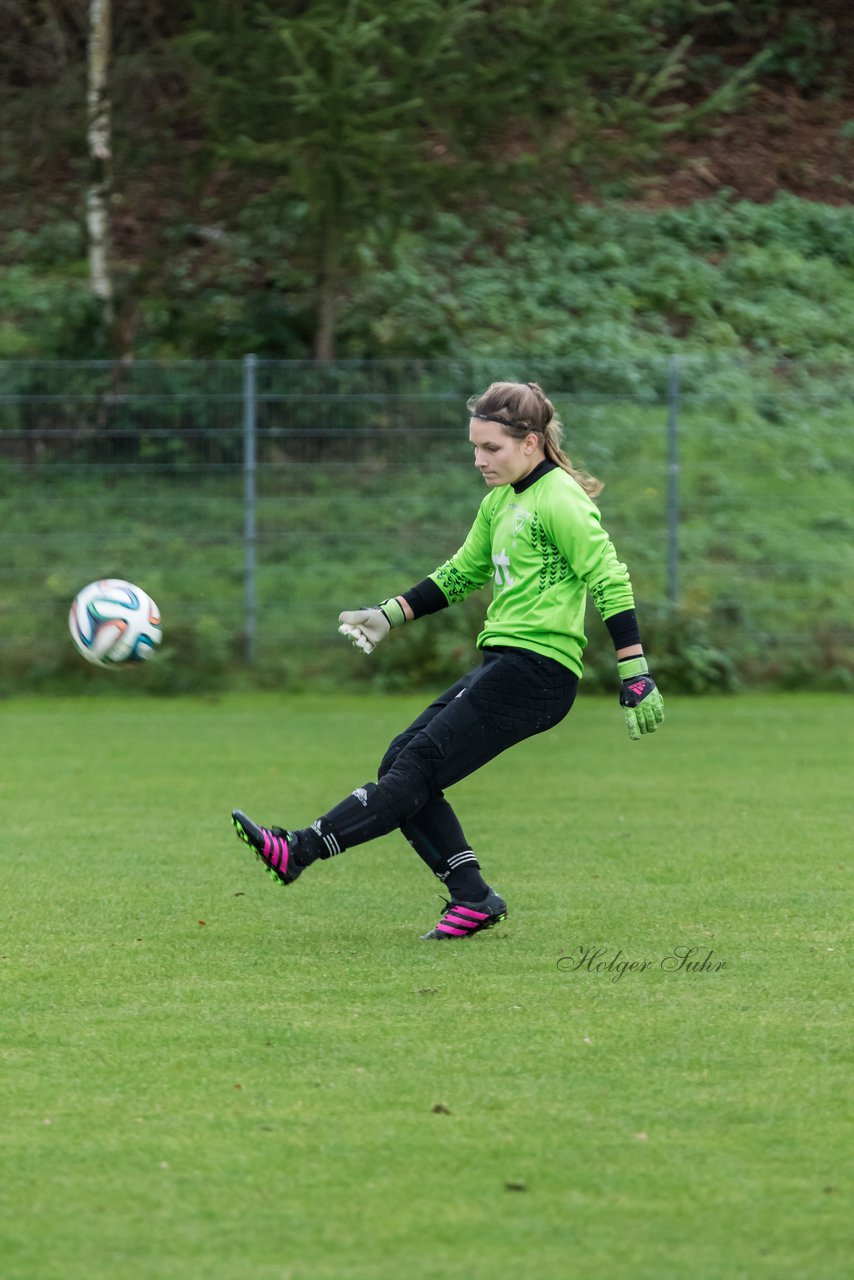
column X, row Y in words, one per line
column 538, row 537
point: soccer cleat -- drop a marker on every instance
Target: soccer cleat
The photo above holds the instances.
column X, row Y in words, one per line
column 270, row 845
column 462, row 919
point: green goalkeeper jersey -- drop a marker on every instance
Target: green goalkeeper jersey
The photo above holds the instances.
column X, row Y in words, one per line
column 544, row 548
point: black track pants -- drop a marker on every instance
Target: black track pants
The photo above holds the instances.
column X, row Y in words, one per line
column 512, row 695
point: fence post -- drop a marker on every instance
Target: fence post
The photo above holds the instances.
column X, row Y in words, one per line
column 249, row 534
column 673, row 394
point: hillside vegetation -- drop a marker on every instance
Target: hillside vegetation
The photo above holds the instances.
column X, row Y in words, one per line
column 370, row 179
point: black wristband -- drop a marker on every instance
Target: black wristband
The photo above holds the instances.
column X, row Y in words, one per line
column 624, row 629
column 425, row 597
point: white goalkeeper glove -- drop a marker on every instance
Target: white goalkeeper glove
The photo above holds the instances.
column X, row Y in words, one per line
column 366, row 627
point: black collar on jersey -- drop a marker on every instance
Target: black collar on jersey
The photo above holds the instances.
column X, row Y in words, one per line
column 541, row 469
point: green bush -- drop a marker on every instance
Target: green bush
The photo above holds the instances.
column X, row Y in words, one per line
column 609, row 283
column 619, row 283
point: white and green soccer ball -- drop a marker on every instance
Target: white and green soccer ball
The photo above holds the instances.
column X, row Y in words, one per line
column 113, row 622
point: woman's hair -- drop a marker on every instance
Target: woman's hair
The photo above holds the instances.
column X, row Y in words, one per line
column 522, row 407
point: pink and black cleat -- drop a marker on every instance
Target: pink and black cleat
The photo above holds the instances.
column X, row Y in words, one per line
column 270, row 845
column 462, row 919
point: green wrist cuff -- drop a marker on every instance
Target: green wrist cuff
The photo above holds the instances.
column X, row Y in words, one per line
column 629, row 667
column 393, row 611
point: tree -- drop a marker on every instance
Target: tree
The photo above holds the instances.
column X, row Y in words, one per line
column 99, row 139
column 331, row 109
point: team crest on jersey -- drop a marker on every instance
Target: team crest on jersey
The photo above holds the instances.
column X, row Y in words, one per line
column 520, row 515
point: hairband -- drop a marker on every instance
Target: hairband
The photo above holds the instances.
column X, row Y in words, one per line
column 507, row 422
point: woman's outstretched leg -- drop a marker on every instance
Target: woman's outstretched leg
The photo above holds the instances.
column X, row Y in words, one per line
column 510, row 697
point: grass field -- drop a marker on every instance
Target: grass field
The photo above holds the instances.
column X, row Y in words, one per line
column 207, row 1076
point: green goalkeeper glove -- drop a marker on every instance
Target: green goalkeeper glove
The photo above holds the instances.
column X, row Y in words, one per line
column 643, row 705
column 366, row 627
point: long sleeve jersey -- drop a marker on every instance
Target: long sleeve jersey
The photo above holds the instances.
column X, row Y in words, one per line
column 542, row 544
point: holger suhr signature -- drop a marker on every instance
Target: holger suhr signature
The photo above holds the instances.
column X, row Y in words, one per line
column 681, row 959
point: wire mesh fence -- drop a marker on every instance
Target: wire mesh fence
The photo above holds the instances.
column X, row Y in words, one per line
column 256, row 499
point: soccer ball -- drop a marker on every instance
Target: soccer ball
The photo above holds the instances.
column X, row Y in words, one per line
column 112, row 622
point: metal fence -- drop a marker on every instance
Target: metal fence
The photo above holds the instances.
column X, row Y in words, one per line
column 254, row 499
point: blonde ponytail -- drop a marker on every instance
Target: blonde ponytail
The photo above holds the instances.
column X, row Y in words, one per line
column 552, row 437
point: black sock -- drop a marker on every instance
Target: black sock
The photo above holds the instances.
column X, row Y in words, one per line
column 308, row 844
column 465, row 883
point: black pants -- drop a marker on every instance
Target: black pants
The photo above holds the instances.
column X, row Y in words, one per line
column 512, row 695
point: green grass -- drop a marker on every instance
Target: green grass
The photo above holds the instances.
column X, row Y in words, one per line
column 204, row 1075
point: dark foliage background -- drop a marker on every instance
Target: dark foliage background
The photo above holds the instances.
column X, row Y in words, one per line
column 276, row 164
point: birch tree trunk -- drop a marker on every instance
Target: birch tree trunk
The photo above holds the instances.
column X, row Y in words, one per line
column 98, row 136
